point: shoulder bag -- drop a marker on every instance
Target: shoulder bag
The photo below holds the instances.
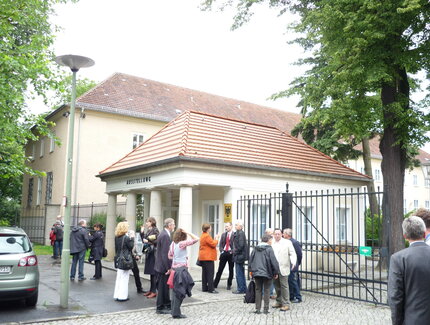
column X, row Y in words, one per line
column 124, row 260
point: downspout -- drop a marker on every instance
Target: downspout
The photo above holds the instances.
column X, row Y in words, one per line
column 78, row 147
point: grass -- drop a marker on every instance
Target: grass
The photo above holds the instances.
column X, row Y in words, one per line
column 48, row 250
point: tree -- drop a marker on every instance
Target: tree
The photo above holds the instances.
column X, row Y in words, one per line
column 364, row 56
column 26, row 70
column 63, row 92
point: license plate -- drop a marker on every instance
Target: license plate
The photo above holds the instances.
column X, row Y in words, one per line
column 4, row 269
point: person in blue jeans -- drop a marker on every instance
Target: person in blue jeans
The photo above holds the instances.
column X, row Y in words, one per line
column 58, row 243
column 79, row 243
column 293, row 278
column 240, row 255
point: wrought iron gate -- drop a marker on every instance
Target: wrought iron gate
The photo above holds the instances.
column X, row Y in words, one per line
column 339, row 237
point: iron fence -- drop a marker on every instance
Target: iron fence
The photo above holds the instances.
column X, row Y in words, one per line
column 32, row 220
column 338, row 234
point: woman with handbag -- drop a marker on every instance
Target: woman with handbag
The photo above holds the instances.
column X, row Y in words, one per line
column 207, row 257
column 149, row 239
column 123, row 260
column 96, row 253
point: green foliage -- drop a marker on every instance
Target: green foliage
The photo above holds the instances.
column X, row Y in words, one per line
column 373, row 229
column 63, row 93
column 26, row 70
column 42, row 249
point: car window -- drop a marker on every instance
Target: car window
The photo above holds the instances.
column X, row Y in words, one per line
column 14, row 244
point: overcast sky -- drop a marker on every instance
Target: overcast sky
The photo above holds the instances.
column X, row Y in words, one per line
column 173, row 41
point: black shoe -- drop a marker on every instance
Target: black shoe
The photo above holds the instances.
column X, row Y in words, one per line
column 94, row 278
column 82, row 279
column 238, row 292
column 122, row 300
column 296, row 301
column 180, row 316
column 228, row 287
column 162, row 311
column 141, row 291
column 257, row 312
column 265, row 312
column 72, row 279
column 213, row 291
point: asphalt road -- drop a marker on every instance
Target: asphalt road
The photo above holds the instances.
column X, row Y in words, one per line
column 86, row 297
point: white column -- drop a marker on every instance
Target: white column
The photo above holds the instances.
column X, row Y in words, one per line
column 197, row 226
column 110, row 226
column 146, row 203
column 185, row 215
column 155, row 208
column 130, row 210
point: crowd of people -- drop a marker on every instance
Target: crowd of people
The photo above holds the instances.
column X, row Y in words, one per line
column 273, row 263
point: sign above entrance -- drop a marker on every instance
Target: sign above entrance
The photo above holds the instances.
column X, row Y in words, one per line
column 138, row 180
column 227, row 212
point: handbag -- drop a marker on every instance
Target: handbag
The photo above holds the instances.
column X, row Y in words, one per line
column 123, row 261
column 198, row 263
column 105, row 252
column 249, row 297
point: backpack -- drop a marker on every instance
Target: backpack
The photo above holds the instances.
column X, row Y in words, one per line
column 249, row 297
column 52, row 236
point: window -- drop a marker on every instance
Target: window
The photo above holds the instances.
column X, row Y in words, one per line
column 39, row 190
column 427, row 182
column 415, row 179
column 405, row 207
column 377, row 175
column 362, row 170
column 260, row 220
column 342, row 224
column 415, row 204
column 52, row 145
column 427, row 204
column 137, row 139
column 30, row 192
column 33, row 151
column 42, row 148
column 304, row 227
column 49, row 181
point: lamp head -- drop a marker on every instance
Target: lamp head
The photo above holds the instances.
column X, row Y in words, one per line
column 74, row 62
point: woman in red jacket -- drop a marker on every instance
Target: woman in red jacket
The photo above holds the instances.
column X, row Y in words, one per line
column 207, row 257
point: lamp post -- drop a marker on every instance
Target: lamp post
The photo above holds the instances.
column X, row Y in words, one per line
column 74, row 62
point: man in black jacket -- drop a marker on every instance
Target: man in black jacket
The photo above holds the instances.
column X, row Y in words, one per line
column 79, row 243
column 162, row 265
column 240, row 255
column 264, row 268
column 226, row 256
column 293, row 278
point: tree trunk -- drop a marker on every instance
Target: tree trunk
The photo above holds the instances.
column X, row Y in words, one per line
column 367, row 159
column 393, row 166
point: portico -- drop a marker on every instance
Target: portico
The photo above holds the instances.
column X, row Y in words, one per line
column 198, row 163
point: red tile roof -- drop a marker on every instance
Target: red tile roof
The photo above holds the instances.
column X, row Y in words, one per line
column 202, row 137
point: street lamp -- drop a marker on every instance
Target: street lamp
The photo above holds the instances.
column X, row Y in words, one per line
column 74, row 62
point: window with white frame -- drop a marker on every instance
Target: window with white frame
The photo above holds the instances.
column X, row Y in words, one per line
column 427, row 204
column 260, row 220
column 49, row 181
column 42, row 148
column 33, row 151
column 138, row 139
column 304, row 223
column 377, row 175
column 415, row 204
column 30, row 192
column 415, row 180
column 343, row 224
column 39, row 190
column 405, row 207
column 427, row 182
column 52, row 144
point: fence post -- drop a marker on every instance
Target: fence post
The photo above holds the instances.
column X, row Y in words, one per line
column 287, row 209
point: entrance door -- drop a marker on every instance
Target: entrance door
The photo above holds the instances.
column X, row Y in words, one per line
column 211, row 215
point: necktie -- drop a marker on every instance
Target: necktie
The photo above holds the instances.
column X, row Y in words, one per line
column 227, row 243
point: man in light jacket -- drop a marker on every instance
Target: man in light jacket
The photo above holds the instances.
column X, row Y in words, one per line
column 287, row 259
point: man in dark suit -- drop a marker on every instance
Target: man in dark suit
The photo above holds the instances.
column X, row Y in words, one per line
column 293, row 278
column 240, row 255
column 408, row 279
column 162, row 265
column 226, row 255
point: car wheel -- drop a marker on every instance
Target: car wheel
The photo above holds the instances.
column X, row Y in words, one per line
column 32, row 301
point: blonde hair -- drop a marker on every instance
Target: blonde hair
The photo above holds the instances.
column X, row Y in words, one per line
column 121, row 228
